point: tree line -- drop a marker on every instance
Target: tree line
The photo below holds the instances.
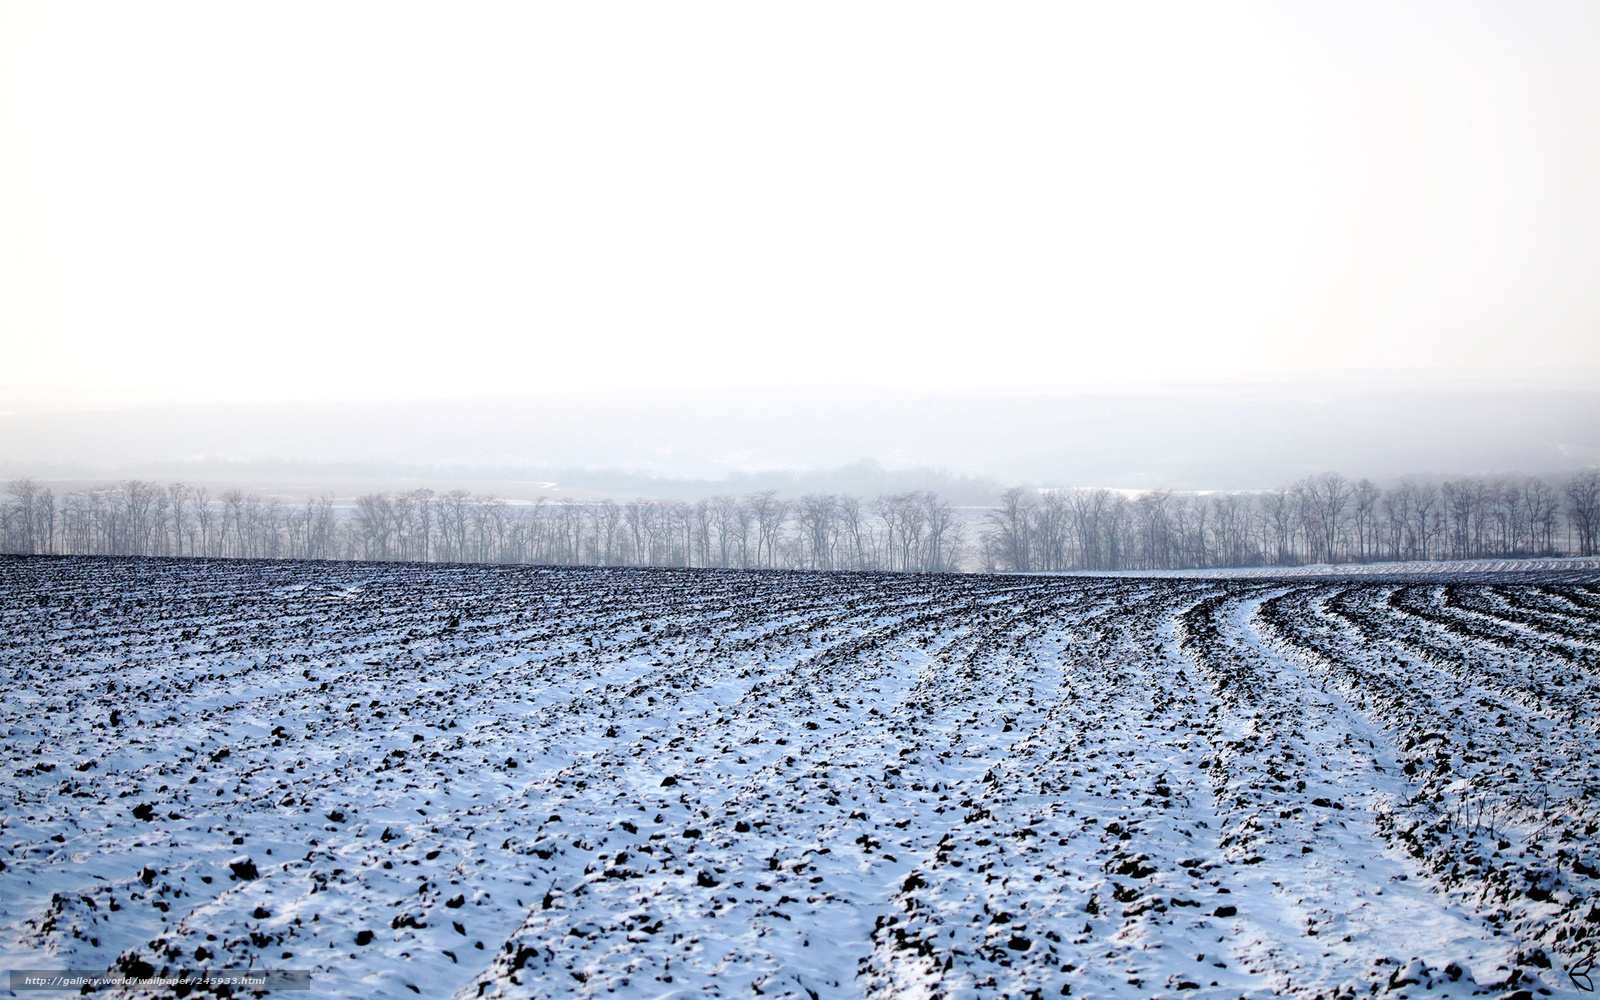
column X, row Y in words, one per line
column 1325, row 518
column 915, row 531
column 1319, row 519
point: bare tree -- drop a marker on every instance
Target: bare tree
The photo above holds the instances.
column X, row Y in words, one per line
column 1010, row 524
column 1583, row 505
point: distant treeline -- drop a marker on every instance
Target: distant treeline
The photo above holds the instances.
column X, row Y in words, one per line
column 1325, row 518
column 1320, row 519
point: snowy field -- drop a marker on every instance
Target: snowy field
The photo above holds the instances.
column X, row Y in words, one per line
column 513, row 782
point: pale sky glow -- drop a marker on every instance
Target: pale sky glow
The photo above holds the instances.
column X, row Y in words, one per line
column 219, row 201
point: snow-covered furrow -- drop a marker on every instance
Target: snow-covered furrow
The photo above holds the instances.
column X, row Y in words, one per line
column 1406, row 623
column 1542, row 610
column 1299, row 780
column 1472, row 611
column 505, row 781
column 760, row 910
column 1078, row 863
column 1493, row 794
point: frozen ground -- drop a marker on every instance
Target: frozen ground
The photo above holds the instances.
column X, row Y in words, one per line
column 531, row 783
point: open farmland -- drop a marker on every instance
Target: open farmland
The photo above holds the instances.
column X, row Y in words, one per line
column 520, row 782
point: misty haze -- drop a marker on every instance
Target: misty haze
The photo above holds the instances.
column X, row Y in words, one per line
column 842, row 500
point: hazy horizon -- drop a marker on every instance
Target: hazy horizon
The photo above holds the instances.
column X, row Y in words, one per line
column 1232, row 438
column 1195, row 247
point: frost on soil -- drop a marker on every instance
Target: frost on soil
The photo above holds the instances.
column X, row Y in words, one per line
column 526, row 783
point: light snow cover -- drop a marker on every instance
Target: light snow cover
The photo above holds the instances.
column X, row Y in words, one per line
column 517, row 782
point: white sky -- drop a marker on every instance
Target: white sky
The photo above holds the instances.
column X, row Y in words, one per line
column 220, row 201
